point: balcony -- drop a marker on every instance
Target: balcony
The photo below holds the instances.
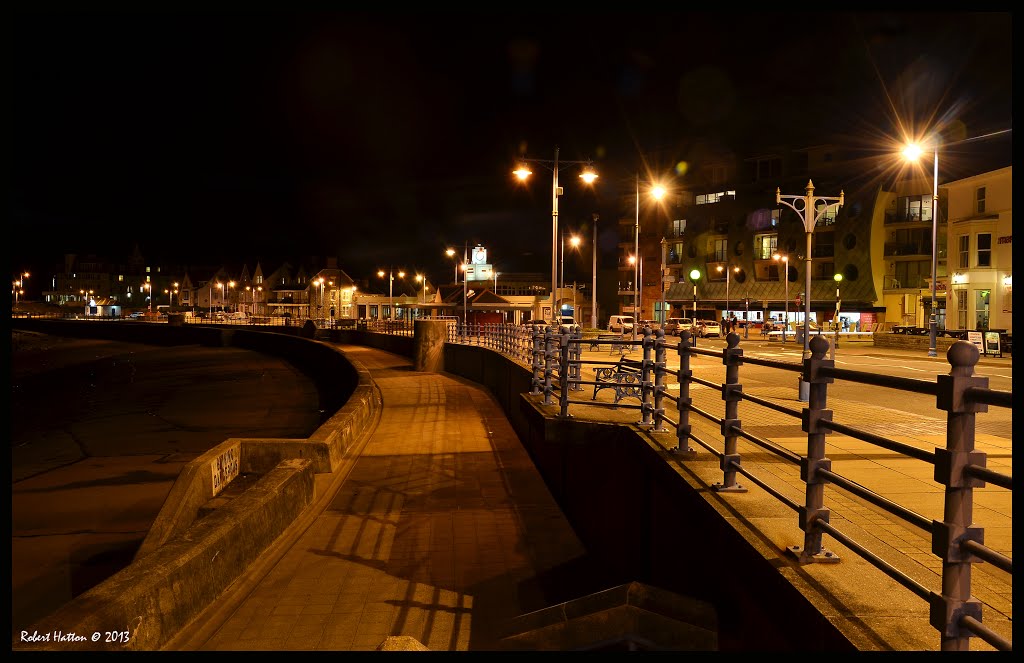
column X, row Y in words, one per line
column 907, row 249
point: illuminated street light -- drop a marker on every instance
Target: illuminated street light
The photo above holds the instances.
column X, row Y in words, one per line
column 785, row 267
column 727, row 270
column 657, row 192
column 231, row 284
column 588, row 176
column 811, row 211
column 391, row 288
column 912, row 152
column 451, row 254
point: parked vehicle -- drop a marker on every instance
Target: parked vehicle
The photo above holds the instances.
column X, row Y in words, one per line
column 673, row 326
column 621, row 324
column 653, row 324
column 706, row 328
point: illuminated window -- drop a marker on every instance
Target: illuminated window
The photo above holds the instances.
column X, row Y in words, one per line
column 765, row 246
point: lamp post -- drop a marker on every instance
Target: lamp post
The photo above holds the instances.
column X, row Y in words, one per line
column 811, row 212
column 912, row 152
column 231, row 284
column 255, row 299
column 694, row 276
column 588, row 176
column 451, row 254
column 784, row 259
column 574, row 241
column 727, row 270
column 210, row 303
column 149, row 286
column 838, row 279
column 391, row 289
column 593, row 293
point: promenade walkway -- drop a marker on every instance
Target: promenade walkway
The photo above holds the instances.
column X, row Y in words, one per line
column 442, row 530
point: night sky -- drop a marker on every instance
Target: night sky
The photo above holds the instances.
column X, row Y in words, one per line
column 231, row 137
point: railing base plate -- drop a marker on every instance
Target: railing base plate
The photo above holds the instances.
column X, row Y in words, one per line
column 823, row 557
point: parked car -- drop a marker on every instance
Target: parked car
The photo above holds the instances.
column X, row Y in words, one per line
column 620, row 324
column 673, row 326
column 706, row 328
column 653, row 324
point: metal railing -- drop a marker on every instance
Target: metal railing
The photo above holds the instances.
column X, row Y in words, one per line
column 554, row 357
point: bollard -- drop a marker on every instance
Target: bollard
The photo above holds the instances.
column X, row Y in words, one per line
column 564, row 370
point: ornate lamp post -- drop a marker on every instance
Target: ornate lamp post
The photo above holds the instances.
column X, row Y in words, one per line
column 810, row 210
column 588, row 176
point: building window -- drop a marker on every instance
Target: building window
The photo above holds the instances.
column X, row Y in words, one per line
column 823, row 270
column 711, row 198
column 961, row 307
column 963, row 243
column 719, row 250
column 765, row 246
column 824, row 244
column 980, row 195
column 913, row 274
column 678, row 227
column 914, row 208
column 718, row 174
column 769, row 168
column 984, row 249
column 827, row 215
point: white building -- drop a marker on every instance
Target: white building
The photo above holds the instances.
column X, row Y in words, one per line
column 980, row 259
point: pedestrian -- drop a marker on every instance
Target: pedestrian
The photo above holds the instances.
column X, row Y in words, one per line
column 735, row 323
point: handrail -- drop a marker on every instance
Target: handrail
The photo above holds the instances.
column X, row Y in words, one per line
column 556, row 360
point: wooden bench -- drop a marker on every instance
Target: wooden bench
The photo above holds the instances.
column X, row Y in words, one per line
column 624, row 378
column 613, row 348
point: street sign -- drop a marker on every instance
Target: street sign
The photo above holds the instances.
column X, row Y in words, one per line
column 669, row 278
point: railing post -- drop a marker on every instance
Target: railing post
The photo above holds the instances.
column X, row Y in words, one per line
column 646, row 386
column 659, row 382
column 537, row 353
column 576, row 352
column 732, row 393
column 549, row 361
column 683, row 428
column 814, row 509
column 564, row 372
column 948, row 535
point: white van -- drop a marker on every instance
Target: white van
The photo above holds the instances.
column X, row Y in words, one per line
column 620, row 324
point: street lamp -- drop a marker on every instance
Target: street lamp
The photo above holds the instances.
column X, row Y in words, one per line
column 657, row 192
column 593, row 293
column 912, row 152
column 422, row 279
column 727, row 270
column 320, row 298
column 784, row 259
column 149, row 286
column 811, row 212
column 210, row 303
column 391, row 291
column 451, row 254
column 588, row 176
column 231, row 284
column 574, row 241
column 694, row 276
column 838, row 279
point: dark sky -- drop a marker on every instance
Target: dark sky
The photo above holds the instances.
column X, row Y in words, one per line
column 230, row 137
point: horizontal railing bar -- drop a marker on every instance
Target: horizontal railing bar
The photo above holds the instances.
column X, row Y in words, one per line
column 989, row 396
column 706, row 383
column 878, row 440
column 915, row 385
column 774, row 363
column 768, row 445
column 989, row 476
column 772, row 406
column 985, row 633
column 765, row 487
column 906, row 514
column 993, row 557
column 888, row 569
